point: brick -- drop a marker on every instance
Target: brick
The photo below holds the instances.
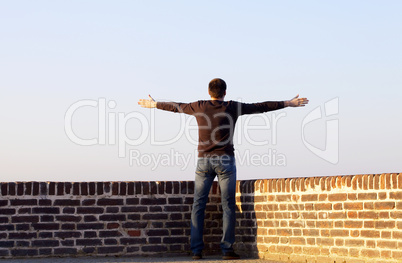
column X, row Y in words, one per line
column 134, row 217
column 153, row 201
column 338, row 206
column 46, row 210
column 60, row 188
column 22, row 227
column 7, row 211
column 175, row 240
column 339, row 251
column 22, row 235
column 132, row 201
column 90, row 226
column 382, row 196
column 67, row 234
column 339, row 233
column 68, row 210
column 110, row 233
column 368, row 215
column 352, row 214
column 88, row 242
column 386, row 234
column 325, row 241
column 308, row 215
column 370, row 253
column 324, row 224
column 45, row 234
column 387, row 244
column 68, row 227
column 22, row 243
column 45, row 243
column 132, row 240
column 337, row 197
column 396, row 214
column 66, row 202
column 383, row 215
column 107, row 201
column 354, row 243
column 154, row 248
column 369, row 224
column 369, row 205
column 367, row 196
column 134, row 233
column 337, row 215
column 353, row 206
column 353, row 224
column 90, row 219
column 175, row 208
column 323, row 206
column 46, row 218
column 370, row 233
column 90, row 234
column 65, row 251
column 24, row 202
column 25, row 219
column 397, row 234
column 354, row 233
column 112, row 210
column 45, row 226
column 67, row 218
column 134, row 209
column 6, row 244
column 67, row 187
column 113, row 225
column 24, row 252
column 384, row 205
column 397, row 254
column 309, row 197
column 35, row 188
column 352, row 196
column 90, row 210
column 395, row 195
column 24, row 210
column 113, row 217
column 135, row 225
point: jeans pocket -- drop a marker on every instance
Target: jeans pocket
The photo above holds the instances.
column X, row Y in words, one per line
column 202, row 166
column 226, row 167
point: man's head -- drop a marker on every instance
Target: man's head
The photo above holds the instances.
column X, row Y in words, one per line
column 217, row 88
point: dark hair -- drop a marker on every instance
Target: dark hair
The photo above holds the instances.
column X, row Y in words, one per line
column 217, row 88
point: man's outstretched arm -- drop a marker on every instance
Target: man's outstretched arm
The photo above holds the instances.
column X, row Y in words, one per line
column 179, row 107
column 261, row 107
column 150, row 103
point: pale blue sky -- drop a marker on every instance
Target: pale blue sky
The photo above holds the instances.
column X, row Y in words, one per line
column 55, row 53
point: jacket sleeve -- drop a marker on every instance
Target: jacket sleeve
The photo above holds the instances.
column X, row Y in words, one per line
column 260, row 107
column 187, row 108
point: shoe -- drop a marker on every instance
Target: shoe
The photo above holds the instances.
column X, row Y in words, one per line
column 230, row 255
column 197, row 256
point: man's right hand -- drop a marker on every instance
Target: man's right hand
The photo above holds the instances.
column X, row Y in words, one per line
column 147, row 103
column 296, row 102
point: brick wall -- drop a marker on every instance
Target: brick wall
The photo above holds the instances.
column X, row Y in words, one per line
column 319, row 219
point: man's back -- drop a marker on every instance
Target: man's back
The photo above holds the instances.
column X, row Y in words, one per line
column 216, row 121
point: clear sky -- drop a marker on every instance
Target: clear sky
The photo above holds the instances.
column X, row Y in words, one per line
column 57, row 55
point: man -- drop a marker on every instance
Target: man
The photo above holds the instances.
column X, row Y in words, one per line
column 216, row 120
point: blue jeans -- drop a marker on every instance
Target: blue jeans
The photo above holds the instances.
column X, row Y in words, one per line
column 207, row 168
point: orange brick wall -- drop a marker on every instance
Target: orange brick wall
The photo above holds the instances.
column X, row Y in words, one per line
column 324, row 219
column 339, row 219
